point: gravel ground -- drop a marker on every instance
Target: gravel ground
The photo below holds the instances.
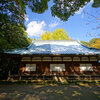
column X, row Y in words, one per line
column 38, row 92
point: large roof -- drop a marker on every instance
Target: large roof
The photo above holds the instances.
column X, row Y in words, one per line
column 55, row 47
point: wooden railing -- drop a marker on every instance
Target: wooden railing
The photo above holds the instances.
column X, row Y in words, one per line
column 47, row 77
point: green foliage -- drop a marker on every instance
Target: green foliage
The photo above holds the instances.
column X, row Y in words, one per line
column 92, row 41
column 46, row 36
column 95, row 42
column 96, row 3
column 15, row 10
column 58, row 34
column 63, row 9
column 38, row 6
column 13, row 36
column 85, row 43
column 12, row 11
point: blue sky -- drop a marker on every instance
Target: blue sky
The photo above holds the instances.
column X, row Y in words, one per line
column 79, row 27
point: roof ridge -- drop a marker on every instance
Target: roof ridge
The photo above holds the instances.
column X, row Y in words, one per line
column 53, row 40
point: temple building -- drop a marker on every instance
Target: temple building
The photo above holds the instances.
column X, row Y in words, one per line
column 57, row 57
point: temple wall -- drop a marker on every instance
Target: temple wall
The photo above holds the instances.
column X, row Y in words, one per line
column 71, row 68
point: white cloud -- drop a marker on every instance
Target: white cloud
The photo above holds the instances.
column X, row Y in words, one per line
column 26, row 18
column 35, row 28
column 52, row 25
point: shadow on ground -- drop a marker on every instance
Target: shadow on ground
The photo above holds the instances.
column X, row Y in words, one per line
column 60, row 92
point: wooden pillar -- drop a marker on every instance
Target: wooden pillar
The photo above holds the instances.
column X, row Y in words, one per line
column 42, row 67
column 19, row 66
column 19, row 73
column 9, row 72
column 72, row 61
column 9, row 77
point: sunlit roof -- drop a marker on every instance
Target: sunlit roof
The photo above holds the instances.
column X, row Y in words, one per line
column 55, row 47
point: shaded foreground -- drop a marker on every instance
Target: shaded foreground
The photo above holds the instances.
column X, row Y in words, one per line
column 57, row 92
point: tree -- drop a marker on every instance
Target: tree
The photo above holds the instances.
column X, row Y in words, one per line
column 46, row 36
column 15, row 10
column 12, row 17
column 12, row 33
column 13, row 36
column 58, row 34
column 95, row 42
column 38, row 6
column 63, row 9
column 85, row 43
column 12, row 11
column 96, row 3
